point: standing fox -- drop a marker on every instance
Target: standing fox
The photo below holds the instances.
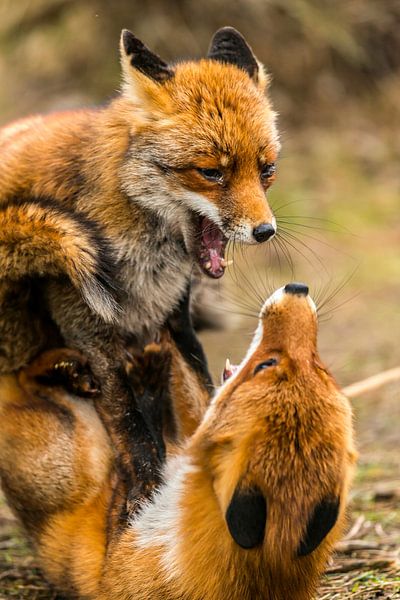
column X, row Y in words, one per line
column 254, row 488
column 104, row 213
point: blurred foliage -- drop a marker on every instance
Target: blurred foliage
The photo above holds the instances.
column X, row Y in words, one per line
column 324, row 55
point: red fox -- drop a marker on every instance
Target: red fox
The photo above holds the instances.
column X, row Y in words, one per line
column 134, row 194
column 253, row 493
column 104, row 213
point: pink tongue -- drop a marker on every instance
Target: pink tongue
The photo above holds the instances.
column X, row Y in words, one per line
column 212, row 245
column 215, row 260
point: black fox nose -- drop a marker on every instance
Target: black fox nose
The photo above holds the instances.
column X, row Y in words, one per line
column 297, row 289
column 263, row 232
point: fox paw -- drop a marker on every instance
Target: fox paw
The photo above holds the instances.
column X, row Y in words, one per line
column 63, row 368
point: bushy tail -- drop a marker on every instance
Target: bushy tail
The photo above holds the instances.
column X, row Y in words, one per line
column 39, row 238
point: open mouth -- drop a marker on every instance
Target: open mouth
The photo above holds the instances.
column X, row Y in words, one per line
column 212, row 249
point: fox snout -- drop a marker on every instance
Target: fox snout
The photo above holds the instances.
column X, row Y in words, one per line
column 248, row 215
column 296, row 289
column 287, row 327
column 283, row 300
column 289, row 322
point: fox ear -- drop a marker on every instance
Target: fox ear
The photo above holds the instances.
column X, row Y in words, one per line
column 246, row 517
column 135, row 54
column 144, row 74
column 319, row 525
column 229, row 46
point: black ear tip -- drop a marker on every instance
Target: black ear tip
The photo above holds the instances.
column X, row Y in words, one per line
column 319, row 525
column 246, row 517
column 227, row 37
column 129, row 41
column 229, row 46
column 228, row 31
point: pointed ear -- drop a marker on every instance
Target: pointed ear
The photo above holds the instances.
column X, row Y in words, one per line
column 135, row 54
column 246, row 517
column 229, row 46
column 322, row 520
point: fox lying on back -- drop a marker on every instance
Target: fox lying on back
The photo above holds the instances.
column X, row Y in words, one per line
column 105, row 212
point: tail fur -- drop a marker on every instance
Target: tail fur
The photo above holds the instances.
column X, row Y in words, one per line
column 39, row 238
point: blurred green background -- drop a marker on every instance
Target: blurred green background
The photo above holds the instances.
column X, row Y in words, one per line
column 335, row 66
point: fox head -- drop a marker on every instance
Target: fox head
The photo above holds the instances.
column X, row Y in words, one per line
column 205, row 143
column 276, row 441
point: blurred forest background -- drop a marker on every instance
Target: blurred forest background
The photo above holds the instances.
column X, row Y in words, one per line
column 335, row 66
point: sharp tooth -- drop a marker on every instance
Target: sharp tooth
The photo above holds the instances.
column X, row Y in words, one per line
column 227, row 372
column 208, row 265
column 226, row 263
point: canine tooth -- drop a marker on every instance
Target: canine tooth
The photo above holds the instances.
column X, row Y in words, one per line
column 208, row 265
column 227, row 372
column 226, row 263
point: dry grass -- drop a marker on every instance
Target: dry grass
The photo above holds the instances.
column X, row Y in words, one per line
column 367, row 564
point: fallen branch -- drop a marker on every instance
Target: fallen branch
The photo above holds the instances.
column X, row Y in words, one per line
column 352, row 565
column 372, row 383
column 11, row 574
column 349, row 546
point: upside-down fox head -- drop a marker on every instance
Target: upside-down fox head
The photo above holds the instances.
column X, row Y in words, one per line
column 209, row 129
column 277, row 437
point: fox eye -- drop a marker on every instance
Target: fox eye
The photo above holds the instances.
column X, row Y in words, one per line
column 267, row 171
column 212, row 174
column 271, row 362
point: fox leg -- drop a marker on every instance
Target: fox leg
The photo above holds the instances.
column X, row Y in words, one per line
column 67, row 369
column 138, row 428
column 191, row 383
column 55, row 468
column 182, row 331
column 40, row 240
column 134, row 417
column 139, row 453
